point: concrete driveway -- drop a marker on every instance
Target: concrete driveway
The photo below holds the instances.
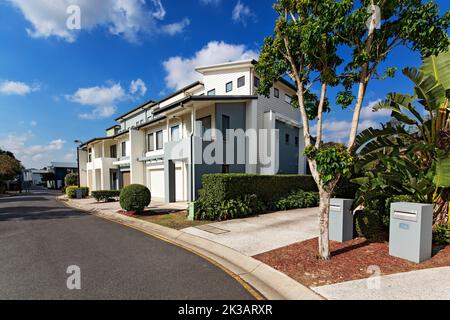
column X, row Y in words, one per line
column 252, row 236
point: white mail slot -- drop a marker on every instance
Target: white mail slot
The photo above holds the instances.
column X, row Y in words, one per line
column 335, row 208
column 406, row 215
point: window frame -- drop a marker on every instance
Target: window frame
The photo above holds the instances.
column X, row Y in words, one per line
column 256, row 82
column 276, row 93
column 151, row 142
column 123, row 146
column 159, row 132
column 227, row 89
column 287, row 137
column 211, row 91
column 111, row 153
column 286, row 97
column 241, row 82
column 171, row 133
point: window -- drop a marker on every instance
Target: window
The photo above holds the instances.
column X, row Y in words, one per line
column 175, row 133
column 229, row 87
column 124, row 149
column 151, row 142
column 212, row 92
column 241, row 82
column 288, row 98
column 257, row 82
column 90, row 155
column 276, row 92
column 225, row 126
column 206, row 125
column 287, row 138
column 225, row 168
column 159, row 140
column 113, row 151
column 296, row 141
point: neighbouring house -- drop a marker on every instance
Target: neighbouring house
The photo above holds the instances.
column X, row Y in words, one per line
column 162, row 144
column 34, row 176
column 60, row 170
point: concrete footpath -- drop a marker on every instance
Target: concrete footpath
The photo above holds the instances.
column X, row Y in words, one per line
column 272, row 284
column 427, row 284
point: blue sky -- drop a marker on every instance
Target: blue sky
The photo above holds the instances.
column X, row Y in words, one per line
column 57, row 85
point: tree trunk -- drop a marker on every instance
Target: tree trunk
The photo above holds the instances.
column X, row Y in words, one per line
column 324, row 213
column 441, row 209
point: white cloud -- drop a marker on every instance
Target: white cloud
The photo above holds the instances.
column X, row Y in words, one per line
column 138, row 86
column 31, row 155
column 104, row 99
column 126, row 18
column 242, row 13
column 33, row 123
column 213, row 2
column 69, row 157
column 368, row 113
column 8, row 87
column 177, row 27
column 339, row 131
column 180, row 70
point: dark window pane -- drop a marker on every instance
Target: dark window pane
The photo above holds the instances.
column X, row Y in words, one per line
column 296, row 141
column 257, row 82
column 175, row 133
column 276, row 93
column 225, row 126
column 287, row 139
column 124, row 149
column 159, row 140
column 241, row 82
column 113, row 151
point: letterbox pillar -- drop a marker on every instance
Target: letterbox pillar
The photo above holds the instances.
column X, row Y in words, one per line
column 341, row 220
column 411, row 231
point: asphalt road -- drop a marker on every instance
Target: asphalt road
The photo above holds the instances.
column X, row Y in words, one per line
column 40, row 238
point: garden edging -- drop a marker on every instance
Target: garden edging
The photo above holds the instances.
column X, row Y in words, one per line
column 272, row 284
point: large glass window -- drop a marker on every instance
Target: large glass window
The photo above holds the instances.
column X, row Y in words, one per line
column 151, row 142
column 159, row 140
column 175, row 133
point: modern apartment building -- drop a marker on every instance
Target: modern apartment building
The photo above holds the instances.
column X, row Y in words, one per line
column 161, row 144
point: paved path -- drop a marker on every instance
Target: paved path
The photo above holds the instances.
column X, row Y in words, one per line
column 40, row 238
column 267, row 232
column 428, row 284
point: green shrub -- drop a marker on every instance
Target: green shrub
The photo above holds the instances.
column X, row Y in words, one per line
column 375, row 217
column 135, row 197
column 229, row 209
column 71, row 192
column 268, row 189
column 71, row 179
column 298, row 199
column 106, row 195
column 441, row 234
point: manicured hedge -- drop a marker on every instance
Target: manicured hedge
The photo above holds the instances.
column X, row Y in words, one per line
column 268, row 189
column 106, row 195
column 135, row 197
column 228, row 196
column 71, row 192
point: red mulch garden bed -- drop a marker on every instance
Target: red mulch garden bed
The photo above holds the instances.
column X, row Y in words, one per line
column 350, row 261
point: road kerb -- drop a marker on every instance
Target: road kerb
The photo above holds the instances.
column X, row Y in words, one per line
column 272, row 284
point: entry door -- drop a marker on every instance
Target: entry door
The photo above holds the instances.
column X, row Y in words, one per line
column 126, row 178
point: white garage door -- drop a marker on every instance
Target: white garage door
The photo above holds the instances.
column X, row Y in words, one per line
column 157, row 183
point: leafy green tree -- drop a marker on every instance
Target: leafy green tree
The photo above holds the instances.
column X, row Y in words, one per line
column 305, row 46
column 71, row 179
column 10, row 167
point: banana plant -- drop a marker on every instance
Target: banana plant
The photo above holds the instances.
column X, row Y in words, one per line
column 411, row 154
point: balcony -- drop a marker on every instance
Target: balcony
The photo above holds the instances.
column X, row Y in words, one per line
column 101, row 163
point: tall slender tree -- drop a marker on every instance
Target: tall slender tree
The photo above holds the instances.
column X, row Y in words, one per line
column 306, row 46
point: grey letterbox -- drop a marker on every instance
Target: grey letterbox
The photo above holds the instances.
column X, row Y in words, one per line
column 411, row 231
column 341, row 220
column 78, row 194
